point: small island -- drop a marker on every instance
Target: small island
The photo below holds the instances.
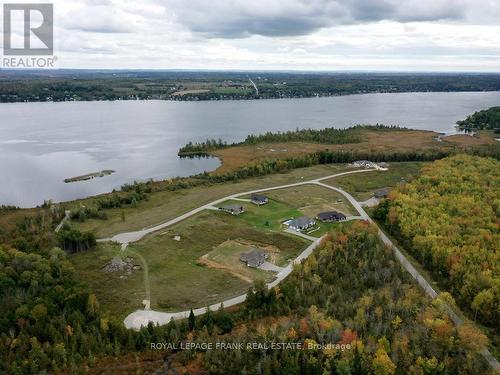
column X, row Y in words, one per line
column 89, row 176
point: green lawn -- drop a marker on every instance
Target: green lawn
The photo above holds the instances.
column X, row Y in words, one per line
column 362, row 185
column 266, row 217
column 165, row 205
column 179, row 280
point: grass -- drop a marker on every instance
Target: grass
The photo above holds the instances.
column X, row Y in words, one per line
column 179, row 280
column 312, row 199
column 267, row 217
column 117, row 293
column 165, row 205
column 288, row 203
column 373, row 141
column 362, row 185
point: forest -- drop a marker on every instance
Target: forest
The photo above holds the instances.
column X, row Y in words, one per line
column 448, row 219
column 486, row 119
column 351, row 291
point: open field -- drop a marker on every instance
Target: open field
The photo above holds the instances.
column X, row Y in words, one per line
column 165, row 205
column 312, row 199
column 118, row 292
column 374, row 141
column 177, row 278
column 362, row 186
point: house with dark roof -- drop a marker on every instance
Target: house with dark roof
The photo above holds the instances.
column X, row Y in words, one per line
column 329, row 216
column 233, row 209
column 382, row 193
column 254, row 258
column 301, row 223
column 258, row 199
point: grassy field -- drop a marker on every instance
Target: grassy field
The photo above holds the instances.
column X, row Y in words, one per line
column 118, row 293
column 312, row 199
column 166, row 205
column 177, row 277
column 373, row 141
column 362, row 185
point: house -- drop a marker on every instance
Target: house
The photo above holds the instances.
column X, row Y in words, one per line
column 254, row 258
column 329, row 216
column 258, row 199
column 233, row 209
column 382, row 193
column 301, row 223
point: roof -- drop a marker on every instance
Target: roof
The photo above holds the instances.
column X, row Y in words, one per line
column 381, row 193
column 301, row 222
column 233, row 207
column 331, row 215
column 258, row 197
column 254, row 257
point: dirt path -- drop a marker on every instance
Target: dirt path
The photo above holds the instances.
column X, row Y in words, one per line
column 210, row 263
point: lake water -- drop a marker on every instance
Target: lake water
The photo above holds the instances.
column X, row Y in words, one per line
column 41, row 144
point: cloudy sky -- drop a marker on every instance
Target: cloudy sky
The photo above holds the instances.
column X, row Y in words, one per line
column 396, row 35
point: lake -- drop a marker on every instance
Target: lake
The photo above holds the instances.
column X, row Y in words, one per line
column 41, row 144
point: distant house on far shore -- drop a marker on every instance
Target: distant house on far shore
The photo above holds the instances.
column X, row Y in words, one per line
column 258, row 199
column 254, row 258
column 330, row 216
column 382, row 193
column 233, row 209
column 301, row 223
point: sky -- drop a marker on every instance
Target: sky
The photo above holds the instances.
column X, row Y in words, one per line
column 313, row 35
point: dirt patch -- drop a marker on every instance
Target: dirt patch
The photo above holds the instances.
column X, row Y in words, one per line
column 118, row 264
column 210, row 263
column 231, row 262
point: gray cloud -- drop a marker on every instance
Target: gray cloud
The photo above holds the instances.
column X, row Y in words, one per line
column 240, row 18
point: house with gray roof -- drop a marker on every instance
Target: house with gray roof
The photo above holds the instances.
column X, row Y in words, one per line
column 254, row 258
column 258, row 199
column 329, row 216
column 233, row 209
column 301, row 223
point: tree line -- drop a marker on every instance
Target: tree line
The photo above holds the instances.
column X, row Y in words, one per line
column 448, row 219
column 485, row 119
